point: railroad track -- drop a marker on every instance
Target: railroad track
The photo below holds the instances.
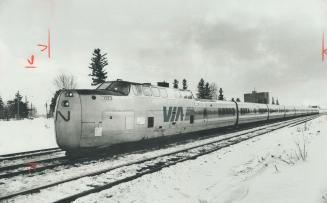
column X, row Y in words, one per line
column 34, row 164
column 27, row 154
column 111, row 175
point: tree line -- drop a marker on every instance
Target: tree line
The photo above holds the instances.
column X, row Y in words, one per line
column 16, row 108
column 206, row 90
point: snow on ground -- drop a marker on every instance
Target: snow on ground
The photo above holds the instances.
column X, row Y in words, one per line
column 264, row 169
column 26, row 135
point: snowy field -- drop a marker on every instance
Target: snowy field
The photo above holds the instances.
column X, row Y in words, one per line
column 26, row 135
column 287, row 165
column 265, row 169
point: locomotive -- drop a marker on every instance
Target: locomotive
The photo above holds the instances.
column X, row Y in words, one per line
column 119, row 112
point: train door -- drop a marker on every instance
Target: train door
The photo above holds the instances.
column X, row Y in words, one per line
column 118, row 120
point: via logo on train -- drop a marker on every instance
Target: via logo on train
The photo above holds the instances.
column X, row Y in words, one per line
column 174, row 113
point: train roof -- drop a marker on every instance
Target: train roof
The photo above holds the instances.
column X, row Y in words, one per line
column 145, row 84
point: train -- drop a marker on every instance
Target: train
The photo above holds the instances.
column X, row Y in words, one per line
column 120, row 111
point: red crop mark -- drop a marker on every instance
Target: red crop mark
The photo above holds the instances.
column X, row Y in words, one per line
column 46, row 46
column 32, row 166
column 49, row 47
column 30, row 66
column 31, row 61
column 323, row 50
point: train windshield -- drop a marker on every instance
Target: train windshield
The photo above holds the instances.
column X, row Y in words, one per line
column 116, row 86
column 104, row 86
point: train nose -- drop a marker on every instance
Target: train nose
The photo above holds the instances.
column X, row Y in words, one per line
column 68, row 120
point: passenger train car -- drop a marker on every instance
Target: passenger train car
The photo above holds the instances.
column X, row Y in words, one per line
column 120, row 112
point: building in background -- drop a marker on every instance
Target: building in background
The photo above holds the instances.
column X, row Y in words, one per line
column 257, row 97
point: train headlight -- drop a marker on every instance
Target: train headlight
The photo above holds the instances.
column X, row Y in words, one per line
column 69, row 94
column 65, row 103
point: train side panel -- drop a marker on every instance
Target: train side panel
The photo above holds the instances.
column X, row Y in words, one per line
column 250, row 112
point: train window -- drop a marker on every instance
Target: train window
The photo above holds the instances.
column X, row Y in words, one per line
column 119, row 87
column 163, row 92
column 150, row 122
column 104, row 86
column 137, row 89
column 155, row 91
column 191, row 119
column 146, row 91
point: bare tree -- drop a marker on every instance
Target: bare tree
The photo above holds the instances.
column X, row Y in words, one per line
column 213, row 90
column 63, row 81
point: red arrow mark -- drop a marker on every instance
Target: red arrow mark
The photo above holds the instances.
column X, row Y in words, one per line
column 44, row 46
column 31, row 61
column 49, row 49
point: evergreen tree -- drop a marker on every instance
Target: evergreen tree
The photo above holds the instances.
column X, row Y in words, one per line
column 233, row 100
column 277, row 102
column 17, row 100
column 17, row 108
column 272, row 100
column 221, row 96
column 10, row 109
column 175, row 84
column 200, row 93
column 238, row 100
column 2, row 108
column 99, row 61
column 22, row 107
column 184, row 84
column 207, row 91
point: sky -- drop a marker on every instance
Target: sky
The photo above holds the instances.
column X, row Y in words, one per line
column 266, row 45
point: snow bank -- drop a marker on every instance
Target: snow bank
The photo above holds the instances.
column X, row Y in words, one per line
column 263, row 169
column 26, row 135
